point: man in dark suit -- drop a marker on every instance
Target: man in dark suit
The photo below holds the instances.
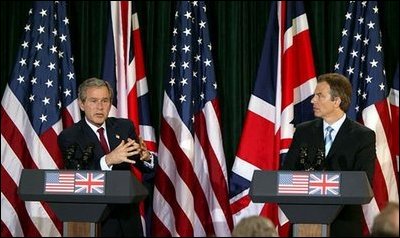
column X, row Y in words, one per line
column 334, row 142
column 114, row 147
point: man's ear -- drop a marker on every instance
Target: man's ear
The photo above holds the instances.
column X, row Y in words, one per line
column 81, row 105
column 338, row 101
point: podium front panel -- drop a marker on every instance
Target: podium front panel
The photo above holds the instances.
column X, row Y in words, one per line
column 80, row 196
column 311, row 213
column 119, row 187
column 354, row 189
column 306, row 199
column 78, row 212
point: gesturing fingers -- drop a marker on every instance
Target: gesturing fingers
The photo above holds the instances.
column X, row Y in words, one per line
column 142, row 143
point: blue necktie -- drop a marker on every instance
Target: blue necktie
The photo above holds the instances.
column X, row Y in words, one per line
column 328, row 139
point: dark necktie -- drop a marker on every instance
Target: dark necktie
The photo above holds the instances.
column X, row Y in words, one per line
column 328, row 139
column 103, row 141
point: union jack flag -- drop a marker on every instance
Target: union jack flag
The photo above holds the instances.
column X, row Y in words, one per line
column 325, row 184
column 280, row 99
column 124, row 69
column 89, row 182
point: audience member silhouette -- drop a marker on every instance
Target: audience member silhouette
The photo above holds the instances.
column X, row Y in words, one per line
column 255, row 226
column 386, row 224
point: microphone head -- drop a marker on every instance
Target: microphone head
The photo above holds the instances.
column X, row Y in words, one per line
column 87, row 156
column 303, row 150
column 90, row 147
column 69, row 156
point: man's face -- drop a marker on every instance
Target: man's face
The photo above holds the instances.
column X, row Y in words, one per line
column 97, row 105
column 323, row 105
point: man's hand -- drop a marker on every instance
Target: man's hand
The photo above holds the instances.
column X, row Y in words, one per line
column 144, row 152
column 122, row 153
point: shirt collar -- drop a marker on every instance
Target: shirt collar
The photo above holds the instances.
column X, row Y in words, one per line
column 336, row 125
column 95, row 128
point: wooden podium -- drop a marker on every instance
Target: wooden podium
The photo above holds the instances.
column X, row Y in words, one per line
column 80, row 198
column 81, row 229
column 311, row 200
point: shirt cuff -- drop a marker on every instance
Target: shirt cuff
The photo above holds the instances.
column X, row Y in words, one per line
column 149, row 163
column 103, row 164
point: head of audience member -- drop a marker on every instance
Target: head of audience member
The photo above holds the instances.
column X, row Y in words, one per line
column 255, row 226
column 387, row 222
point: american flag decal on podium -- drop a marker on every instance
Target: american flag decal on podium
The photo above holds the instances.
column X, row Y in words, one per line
column 59, row 182
column 293, row 183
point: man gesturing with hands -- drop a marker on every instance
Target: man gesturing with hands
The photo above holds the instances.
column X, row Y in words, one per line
column 106, row 143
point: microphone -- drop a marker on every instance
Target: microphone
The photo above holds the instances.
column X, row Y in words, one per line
column 304, row 161
column 69, row 156
column 319, row 159
column 86, row 157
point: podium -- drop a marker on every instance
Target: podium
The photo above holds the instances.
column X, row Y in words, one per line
column 80, row 195
column 314, row 197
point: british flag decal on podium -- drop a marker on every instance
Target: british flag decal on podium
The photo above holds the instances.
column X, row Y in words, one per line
column 324, row 184
column 89, row 182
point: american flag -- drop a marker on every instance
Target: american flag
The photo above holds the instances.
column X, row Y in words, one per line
column 124, row 69
column 280, row 99
column 39, row 101
column 324, row 184
column 394, row 109
column 293, row 183
column 361, row 60
column 89, row 182
column 191, row 192
column 59, row 182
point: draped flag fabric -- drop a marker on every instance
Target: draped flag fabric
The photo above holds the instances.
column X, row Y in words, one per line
column 124, row 69
column 361, row 60
column 394, row 109
column 281, row 99
column 39, row 101
column 191, row 188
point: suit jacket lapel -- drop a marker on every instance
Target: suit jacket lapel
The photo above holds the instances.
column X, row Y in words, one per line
column 319, row 135
column 91, row 136
column 88, row 133
column 112, row 134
